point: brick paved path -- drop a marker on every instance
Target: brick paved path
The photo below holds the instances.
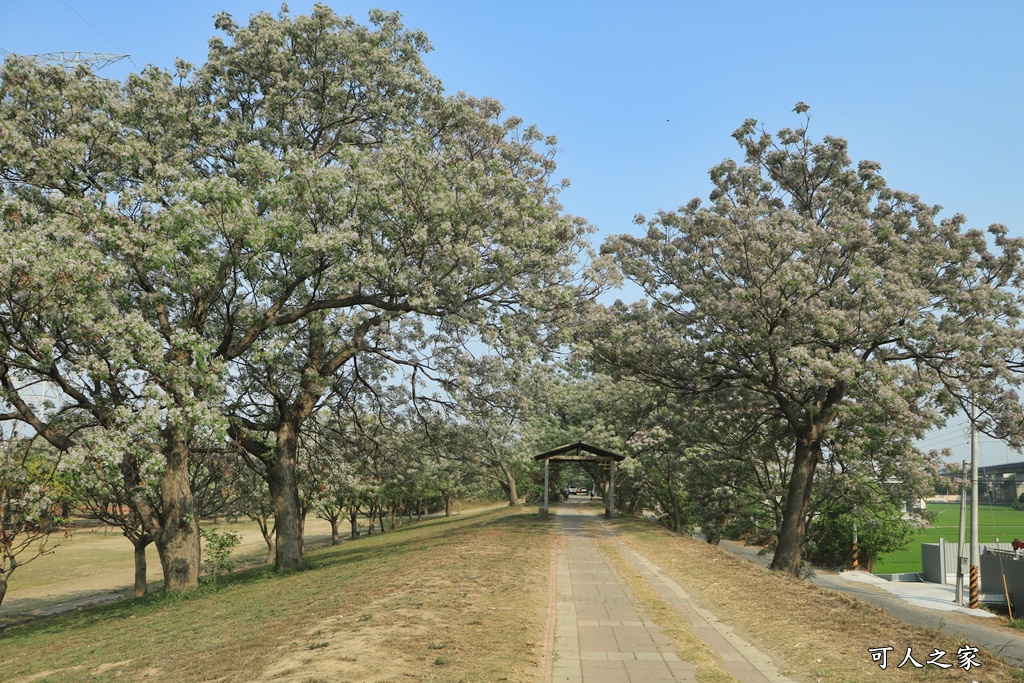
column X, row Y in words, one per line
column 601, row 634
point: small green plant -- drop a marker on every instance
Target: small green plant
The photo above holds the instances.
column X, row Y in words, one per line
column 218, row 548
column 442, row 660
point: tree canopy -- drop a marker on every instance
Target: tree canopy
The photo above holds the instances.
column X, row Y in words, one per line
column 822, row 296
column 191, row 256
column 278, row 267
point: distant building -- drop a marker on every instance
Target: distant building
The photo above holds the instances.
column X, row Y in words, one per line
column 996, row 483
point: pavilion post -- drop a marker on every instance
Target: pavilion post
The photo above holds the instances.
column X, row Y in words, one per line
column 609, row 511
column 547, row 482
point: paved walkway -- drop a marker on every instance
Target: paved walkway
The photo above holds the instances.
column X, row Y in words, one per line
column 600, row 632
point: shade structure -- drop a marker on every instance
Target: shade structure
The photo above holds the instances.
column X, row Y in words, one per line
column 582, row 452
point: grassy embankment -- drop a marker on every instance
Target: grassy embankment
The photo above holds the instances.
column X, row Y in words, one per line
column 815, row 635
column 998, row 521
column 96, row 559
column 446, row 599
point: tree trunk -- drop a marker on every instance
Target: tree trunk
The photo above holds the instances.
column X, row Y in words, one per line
column 174, row 527
column 513, row 496
column 353, row 521
column 3, row 587
column 448, row 505
column 508, row 484
column 382, row 513
column 284, row 495
column 789, row 552
column 673, row 504
column 335, row 536
column 268, row 536
column 140, row 566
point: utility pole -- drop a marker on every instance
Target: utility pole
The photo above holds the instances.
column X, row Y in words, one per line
column 856, row 559
column 959, row 599
column 973, row 604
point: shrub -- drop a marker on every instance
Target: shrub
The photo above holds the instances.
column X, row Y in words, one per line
column 830, row 537
column 218, row 547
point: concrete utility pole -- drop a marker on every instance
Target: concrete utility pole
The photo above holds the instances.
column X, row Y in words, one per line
column 856, row 559
column 959, row 599
column 973, row 604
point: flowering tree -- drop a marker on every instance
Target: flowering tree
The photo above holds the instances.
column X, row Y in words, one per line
column 101, row 489
column 166, row 238
column 814, row 289
column 28, row 504
column 424, row 212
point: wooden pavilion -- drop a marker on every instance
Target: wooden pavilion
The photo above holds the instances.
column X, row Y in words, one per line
column 582, row 453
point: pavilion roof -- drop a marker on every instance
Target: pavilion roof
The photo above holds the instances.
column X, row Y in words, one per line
column 577, row 451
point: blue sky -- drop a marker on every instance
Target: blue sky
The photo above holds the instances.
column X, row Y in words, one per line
column 643, row 96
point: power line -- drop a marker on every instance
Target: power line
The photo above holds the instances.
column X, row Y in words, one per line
column 941, row 439
column 98, row 31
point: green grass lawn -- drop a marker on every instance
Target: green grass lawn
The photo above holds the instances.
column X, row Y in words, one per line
column 994, row 522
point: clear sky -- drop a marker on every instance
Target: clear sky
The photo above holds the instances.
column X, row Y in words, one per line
column 643, row 96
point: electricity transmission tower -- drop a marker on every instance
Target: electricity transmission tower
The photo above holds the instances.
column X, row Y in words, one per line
column 70, row 60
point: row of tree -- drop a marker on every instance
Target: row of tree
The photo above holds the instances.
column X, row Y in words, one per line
column 367, row 474
column 200, row 260
column 807, row 327
column 301, row 265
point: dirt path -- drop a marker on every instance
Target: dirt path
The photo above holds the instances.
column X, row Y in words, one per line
column 617, row 617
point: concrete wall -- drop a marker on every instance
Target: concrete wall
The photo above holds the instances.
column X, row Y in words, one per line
column 939, row 560
column 933, row 562
column 992, row 571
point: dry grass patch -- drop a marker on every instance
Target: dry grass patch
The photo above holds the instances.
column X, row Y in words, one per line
column 821, row 635
column 448, row 600
column 98, row 559
column 475, row 613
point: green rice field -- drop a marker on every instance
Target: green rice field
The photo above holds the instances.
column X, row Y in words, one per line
column 994, row 522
